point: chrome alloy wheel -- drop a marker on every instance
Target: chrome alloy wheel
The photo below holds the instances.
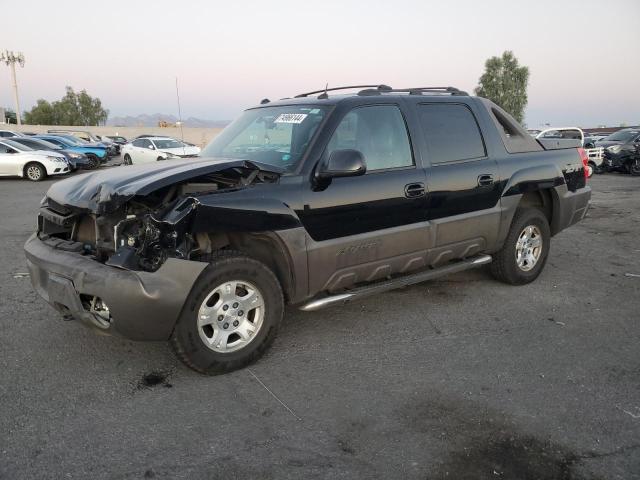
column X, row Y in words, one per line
column 34, row 172
column 231, row 316
column 528, row 248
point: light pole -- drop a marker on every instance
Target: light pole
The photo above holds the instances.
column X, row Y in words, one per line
column 10, row 59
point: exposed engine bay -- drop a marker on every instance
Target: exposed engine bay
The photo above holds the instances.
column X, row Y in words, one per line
column 141, row 233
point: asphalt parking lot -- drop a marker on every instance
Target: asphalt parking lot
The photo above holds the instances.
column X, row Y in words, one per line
column 462, row 378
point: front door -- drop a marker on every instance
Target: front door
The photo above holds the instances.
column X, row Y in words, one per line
column 360, row 227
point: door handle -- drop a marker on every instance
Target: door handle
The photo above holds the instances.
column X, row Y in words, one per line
column 484, row 180
column 414, row 190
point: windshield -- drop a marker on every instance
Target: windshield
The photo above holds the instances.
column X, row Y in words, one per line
column 277, row 136
column 168, row 143
column 622, row 135
column 17, row 146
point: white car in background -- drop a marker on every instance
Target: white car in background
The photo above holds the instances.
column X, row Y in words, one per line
column 17, row 160
column 152, row 149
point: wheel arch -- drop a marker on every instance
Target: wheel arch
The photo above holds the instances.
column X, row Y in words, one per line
column 266, row 247
column 545, row 199
column 33, row 162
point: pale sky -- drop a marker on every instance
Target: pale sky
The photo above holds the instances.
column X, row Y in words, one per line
column 583, row 55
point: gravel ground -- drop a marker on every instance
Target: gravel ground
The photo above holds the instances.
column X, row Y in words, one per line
column 462, row 378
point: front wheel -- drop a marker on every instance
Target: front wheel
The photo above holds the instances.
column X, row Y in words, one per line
column 231, row 316
column 35, row 172
column 93, row 162
column 525, row 250
column 634, row 167
column 127, row 159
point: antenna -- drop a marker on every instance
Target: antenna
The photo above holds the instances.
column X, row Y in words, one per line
column 180, row 117
column 324, row 95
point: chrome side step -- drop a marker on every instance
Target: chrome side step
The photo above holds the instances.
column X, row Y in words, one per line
column 376, row 288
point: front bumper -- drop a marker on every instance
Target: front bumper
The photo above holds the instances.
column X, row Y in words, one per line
column 142, row 305
column 58, row 168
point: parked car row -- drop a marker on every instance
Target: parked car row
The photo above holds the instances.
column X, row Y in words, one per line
column 84, row 150
column 618, row 151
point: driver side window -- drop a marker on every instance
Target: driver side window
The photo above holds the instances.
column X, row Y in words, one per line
column 379, row 133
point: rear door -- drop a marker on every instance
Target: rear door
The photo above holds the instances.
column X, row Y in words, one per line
column 141, row 151
column 464, row 189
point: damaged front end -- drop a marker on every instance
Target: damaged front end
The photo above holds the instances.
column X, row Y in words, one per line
column 138, row 222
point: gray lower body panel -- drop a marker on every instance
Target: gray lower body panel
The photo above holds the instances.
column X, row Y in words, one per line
column 143, row 305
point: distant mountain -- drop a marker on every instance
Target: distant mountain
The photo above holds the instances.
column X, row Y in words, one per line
column 153, row 120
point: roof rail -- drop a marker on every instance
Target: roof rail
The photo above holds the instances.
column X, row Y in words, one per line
column 415, row 91
column 380, row 88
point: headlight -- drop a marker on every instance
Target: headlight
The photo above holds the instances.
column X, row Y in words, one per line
column 56, row 159
column 614, row 148
column 75, row 155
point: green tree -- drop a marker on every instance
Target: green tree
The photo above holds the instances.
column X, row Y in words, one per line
column 72, row 109
column 41, row 114
column 504, row 82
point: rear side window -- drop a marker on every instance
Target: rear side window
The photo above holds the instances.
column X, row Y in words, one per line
column 379, row 133
column 56, row 142
column 451, row 132
column 515, row 138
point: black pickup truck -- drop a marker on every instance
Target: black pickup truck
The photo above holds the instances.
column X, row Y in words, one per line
column 311, row 201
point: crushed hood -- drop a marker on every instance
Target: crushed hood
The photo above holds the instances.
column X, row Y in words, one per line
column 106, row 190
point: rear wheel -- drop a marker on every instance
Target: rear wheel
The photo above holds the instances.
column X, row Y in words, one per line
column 591, row 168
column 525, row 250
column 35, row 172
column 231, row 316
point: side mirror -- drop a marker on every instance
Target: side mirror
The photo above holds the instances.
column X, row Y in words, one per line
column 151, row 147
column 343, row 163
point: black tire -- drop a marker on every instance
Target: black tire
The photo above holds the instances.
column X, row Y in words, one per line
column 634, row 167
column 504, row 266
column 186, row 341
column 35, row 172
column 127, row 159
column 94, row 162
column 593, row 169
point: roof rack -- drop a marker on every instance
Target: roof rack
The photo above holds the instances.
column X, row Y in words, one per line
column 416, row 91
column 380, row 89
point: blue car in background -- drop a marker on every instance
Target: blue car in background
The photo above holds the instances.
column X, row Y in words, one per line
column 95, row 154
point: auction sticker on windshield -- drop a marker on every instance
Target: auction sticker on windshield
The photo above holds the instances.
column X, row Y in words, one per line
column 290, row 118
